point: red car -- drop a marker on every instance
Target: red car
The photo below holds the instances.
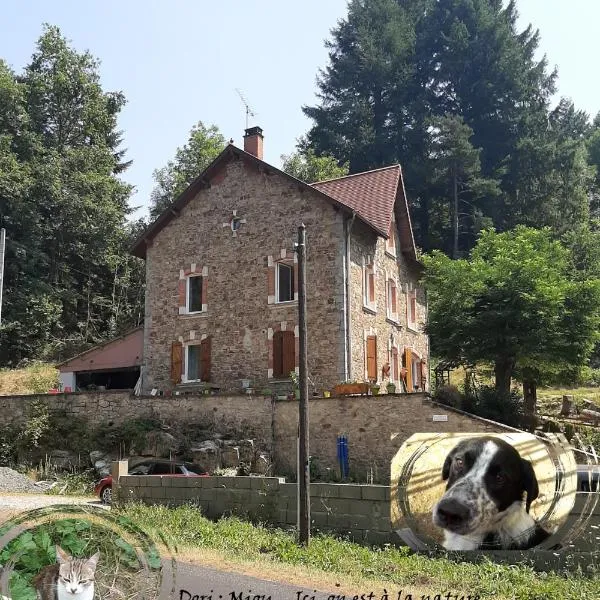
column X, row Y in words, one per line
column 148, row 467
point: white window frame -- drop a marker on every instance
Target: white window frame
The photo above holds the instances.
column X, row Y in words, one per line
column 392, row 251
column 187, row 295
column 369, row 268
column 291, row 268
column 391, row 316
column 411, row 294
column 186, row 361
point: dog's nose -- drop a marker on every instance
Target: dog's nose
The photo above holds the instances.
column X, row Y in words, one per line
column 452, row 512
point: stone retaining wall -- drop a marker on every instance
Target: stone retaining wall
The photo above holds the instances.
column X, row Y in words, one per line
column 369, row 422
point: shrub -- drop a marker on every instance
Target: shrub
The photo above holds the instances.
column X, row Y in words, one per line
column 490, row 405
column 448, row 395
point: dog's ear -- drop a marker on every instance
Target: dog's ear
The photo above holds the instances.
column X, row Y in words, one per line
column 447, row 465
column 530, row 483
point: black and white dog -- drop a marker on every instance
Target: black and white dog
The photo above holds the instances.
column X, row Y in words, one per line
column 483, row 506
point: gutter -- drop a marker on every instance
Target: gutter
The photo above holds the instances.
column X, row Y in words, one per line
column 347, row 341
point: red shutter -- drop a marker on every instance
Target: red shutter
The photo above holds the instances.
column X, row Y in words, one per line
column 394, row 305
column 408, row 364
column 176, row 362
column 395, row 364
column 371, row 278
column 372, row 357
column 288, row 359
column 278, row 354
column 205, row 359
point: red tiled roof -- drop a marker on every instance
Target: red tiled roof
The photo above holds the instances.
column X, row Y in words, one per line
column 371, row 194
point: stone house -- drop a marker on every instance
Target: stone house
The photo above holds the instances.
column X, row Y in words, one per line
column 222, row 282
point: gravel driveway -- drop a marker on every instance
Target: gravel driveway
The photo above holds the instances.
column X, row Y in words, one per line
column 12, row 504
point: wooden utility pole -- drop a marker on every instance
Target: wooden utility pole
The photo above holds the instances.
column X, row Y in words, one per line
column 304, row 470
column 2, row 246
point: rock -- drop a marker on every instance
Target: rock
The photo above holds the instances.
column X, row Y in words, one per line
column 262, row 464
column 247, row 451
column 102, row 467
column 159, row 444
column 207, row 444
column 230, row 456
column 63, row 459
column 208, row 458
column 11, row 481
column 96, row 455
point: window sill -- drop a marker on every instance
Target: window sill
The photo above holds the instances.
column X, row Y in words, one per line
column 393, row 321
column 391, row 254
column 412, row 328
column 286, row 303
column 203, row 313
column 372, row 310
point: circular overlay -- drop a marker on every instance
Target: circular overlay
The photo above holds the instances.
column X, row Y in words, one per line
column 418, row 484
column 130, row 564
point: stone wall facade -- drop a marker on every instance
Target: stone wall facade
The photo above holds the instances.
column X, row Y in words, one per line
column 391, row 330
column 369, row 422
column 239, row 313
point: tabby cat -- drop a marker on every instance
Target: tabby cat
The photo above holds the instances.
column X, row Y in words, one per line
column 68, row 579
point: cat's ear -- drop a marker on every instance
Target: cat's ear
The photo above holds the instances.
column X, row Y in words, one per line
column 61, row 555
column 92, row 561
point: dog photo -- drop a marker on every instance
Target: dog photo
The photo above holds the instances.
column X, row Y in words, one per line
column 480, row 492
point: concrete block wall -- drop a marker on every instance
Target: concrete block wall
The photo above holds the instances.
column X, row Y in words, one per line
column 360, row 512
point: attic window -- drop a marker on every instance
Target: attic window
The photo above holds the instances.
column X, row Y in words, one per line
column 391, row 242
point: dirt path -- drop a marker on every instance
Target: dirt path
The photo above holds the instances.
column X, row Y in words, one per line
column 13, row 504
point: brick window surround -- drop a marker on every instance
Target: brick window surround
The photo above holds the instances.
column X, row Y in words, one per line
column 391, row 297
column 279, row 350
column 181, row 355
column 289, row 259
column 369, row 284
column 185, row 275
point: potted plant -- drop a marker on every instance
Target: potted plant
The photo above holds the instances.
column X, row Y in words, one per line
column 375, row 387
column 295, row 384
column 391, row 387
column 326, row 394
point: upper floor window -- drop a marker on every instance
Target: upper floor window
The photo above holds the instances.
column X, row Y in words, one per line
column 411, row 309
column 392, row 300
column 391, row 242
column 194, row 294
column 369, row 284
column 284, row 284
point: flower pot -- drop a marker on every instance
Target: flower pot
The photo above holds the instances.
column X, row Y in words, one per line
column 347, row 389
column 391, row 389
column 326, row 394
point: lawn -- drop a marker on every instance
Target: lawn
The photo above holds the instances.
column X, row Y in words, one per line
column 334, row 564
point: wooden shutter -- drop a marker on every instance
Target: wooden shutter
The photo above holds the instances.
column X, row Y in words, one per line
column 205, row 359
column 395, row 364
column 408, row 364
column 393, row 297
column 372, row 357
column 288, row 359
column 176, row 362
column 371, row 280
column 278, row 354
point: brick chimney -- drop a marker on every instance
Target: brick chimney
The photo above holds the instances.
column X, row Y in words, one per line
column 253, row 142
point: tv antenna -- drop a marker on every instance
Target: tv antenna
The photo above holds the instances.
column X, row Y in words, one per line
column 249, row 111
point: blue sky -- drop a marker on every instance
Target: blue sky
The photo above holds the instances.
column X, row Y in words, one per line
column 181, row 61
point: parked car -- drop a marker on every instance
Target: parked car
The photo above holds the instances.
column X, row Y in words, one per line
column 149, row 467
column 588, row 478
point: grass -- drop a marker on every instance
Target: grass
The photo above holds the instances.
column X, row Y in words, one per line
column 330, row 560
column 37, row 378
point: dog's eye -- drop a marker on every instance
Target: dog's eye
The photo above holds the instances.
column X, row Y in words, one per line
column 459, row 462
column 500, row 478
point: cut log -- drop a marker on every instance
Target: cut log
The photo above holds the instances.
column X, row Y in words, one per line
column 587, row 404
column 567, row 406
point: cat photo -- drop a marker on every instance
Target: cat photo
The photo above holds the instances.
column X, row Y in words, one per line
column 69, row 578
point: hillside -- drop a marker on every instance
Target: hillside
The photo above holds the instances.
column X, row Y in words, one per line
column 37, row 378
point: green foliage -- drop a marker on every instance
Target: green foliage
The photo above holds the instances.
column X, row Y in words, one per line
column 486, row 402
column 69, row 281
column 449, row 395
column 203, row 146
column 39, row 379
column 238, row 540
column 396, row 68
column 37, row 424
column 77, row 537
column 516, row 303
column 308, row 167
column 130, row 435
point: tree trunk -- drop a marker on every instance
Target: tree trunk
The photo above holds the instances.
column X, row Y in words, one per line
column 455, row 219
column 530, row 401
column 503, row 370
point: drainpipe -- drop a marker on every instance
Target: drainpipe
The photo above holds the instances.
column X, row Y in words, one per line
column 347, row 339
